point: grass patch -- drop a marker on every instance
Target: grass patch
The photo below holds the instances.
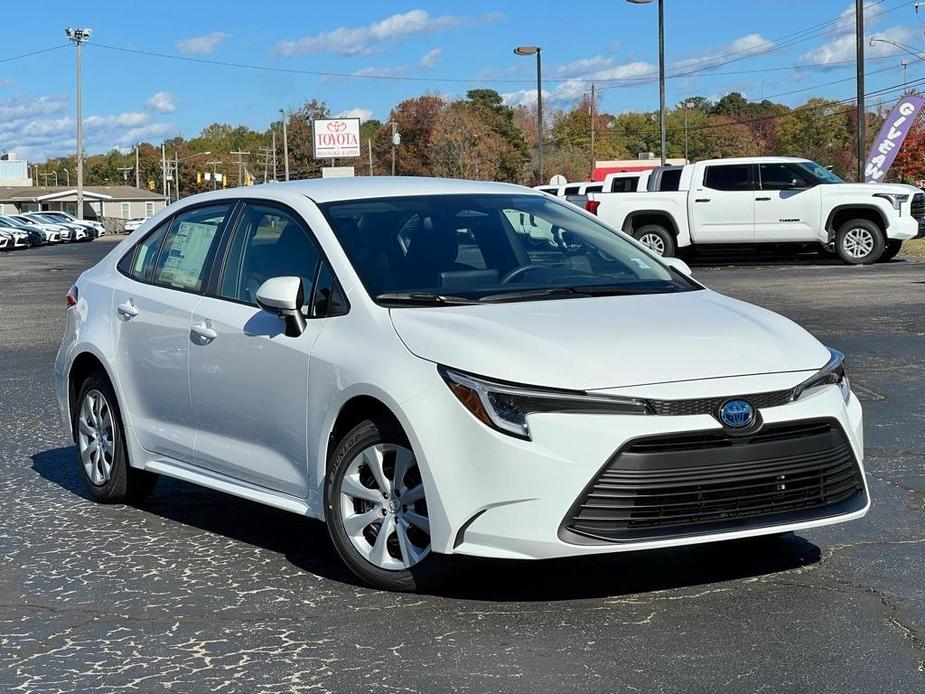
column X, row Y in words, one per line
column 914, row 248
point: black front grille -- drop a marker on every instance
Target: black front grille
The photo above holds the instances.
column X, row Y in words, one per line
column 918, row 205
column 679, row 408
column 665, row 486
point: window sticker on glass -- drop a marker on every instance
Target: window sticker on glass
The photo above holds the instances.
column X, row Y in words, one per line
column 187, row 254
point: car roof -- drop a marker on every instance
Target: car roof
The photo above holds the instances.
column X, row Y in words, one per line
column 754, row 160
column 324, row 190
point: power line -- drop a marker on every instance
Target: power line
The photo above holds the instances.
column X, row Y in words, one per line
column 31, row 53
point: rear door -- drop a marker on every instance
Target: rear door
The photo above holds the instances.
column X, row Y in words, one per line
column 152, row 306
column 787, row 206
column 248, row 380
column 722, row 208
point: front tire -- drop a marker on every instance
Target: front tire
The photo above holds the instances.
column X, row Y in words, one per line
column 859, row 242
column 376, row 509
column 657, row 239
column 101, row 452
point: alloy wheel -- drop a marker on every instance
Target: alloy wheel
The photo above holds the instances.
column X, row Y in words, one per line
column 653, row 242
column 383, row 507
column 95, row 438
column 858, row 242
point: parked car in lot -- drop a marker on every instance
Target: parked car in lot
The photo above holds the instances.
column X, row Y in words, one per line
column 15, row 238
column 441, row 367
column 766, row 200
column 133, row 224
column 63, row 232
column 79, row 232
column 57, row 216
column 38, row 235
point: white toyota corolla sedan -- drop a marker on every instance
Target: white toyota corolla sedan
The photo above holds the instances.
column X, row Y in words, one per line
column 439, row 367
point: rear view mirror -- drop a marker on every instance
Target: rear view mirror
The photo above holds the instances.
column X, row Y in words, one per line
column 284, row 296
column 679, row 265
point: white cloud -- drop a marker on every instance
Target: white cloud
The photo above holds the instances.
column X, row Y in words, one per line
column 585, row 66
column 36, row 128
column 367, row 39
column 203, row 44
column 523, row 97
column 364, row 114
column 841, row 50
column 576, row 87
column 400, row 71
column 162, row 102
column 751, row 44
column 429, row 61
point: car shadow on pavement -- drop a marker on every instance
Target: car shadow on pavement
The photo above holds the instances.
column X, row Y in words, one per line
column 754, row 257
column 304, row 542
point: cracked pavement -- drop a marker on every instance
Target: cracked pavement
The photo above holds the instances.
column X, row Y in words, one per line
column 194, row 590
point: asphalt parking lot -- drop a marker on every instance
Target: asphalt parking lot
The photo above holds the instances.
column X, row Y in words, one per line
column 197, row 591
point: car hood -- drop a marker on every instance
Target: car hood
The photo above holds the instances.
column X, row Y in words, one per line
column 610, row 342
column 873, row 188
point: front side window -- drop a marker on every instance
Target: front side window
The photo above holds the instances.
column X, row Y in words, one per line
column 625, row 185
column 268, row 242
column 819, row 173
column 669, row 179
column 782, row 177
column 487, row 248
column 728, row 177
column 182, row 261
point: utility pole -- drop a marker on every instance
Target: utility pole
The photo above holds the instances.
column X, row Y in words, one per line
column 78, row 37
column 164, row 170
column 67, row 176
column 369, row 150
column 275, row 175
column 124, row 170
column 176, row 172
column 282, row 115
column 396, row 140
column 137, row 169
column 213, row 164
column 861, row 117
column 592, row 109
column 240, row 164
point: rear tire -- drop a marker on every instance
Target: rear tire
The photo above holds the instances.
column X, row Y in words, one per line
column 893, row 247
column 373, row 482
column 101, row 452
column 657, row 239
column 859, row 242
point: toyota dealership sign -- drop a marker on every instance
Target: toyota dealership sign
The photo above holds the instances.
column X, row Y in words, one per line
column 336, row 137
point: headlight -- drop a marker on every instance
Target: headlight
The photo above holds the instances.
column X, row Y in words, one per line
column 895, row 199
column 505, row 407
column 832, row 374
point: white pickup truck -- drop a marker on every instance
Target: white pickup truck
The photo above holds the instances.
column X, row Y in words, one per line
column 767, row 200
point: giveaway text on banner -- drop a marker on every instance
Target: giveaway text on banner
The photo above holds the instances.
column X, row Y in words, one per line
column 890, row 138
column 336, row 137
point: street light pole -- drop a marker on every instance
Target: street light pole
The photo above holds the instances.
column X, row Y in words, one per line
column 282, row 115
column 861, row 117
column 78, row 37
column 137, row 169
column 537, row 51
column 661, row 75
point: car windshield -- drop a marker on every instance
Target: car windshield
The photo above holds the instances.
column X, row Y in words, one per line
column 453, row 249
column 818, row 173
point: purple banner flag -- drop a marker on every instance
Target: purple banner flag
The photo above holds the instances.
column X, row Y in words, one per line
column 890, row 138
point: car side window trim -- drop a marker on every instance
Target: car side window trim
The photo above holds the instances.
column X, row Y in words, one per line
column 220, row 262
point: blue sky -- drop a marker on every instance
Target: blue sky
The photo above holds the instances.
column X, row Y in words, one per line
column 786, row 50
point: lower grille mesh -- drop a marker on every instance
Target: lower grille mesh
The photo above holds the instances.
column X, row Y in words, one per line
column 677, row 485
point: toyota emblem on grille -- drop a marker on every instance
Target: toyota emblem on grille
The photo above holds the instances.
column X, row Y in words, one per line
column 736, row 414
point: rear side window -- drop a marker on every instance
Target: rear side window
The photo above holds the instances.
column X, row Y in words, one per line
column 188, row 247
column 728, row 177
column 139, row 264
column 670, row 179
column 268, row 242
column 624, row 185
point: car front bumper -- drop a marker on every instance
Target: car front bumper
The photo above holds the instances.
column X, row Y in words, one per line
column 903, row 228
column 493, row 495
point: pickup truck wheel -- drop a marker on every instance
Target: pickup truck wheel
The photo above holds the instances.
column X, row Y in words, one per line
column 656, row 238
column 859, row 242
column 893, row 246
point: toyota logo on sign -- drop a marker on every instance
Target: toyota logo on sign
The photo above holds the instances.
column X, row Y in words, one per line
column 336, row 138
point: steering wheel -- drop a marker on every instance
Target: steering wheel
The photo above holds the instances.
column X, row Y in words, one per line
column 518, row 271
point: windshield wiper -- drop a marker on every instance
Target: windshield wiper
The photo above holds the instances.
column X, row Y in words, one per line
column 574, row 292
column 423, row 299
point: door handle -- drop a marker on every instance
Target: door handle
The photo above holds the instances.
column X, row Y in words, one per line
column 762, row 199
column 702, row 200
column 203, row 331
column 127, row 310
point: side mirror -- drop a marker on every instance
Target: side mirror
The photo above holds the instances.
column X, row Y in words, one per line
column 284, row 296
column 679, row 265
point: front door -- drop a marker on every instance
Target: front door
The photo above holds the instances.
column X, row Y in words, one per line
column 787, row 205
column 248, row 380
column 722, row 209
column 152, row 309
